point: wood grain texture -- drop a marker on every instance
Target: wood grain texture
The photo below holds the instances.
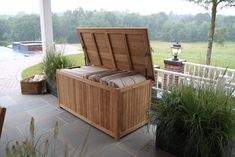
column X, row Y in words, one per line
column 134, row 104
column 117, row 112
column 118, row 48
column 2, row 117
column 97, row 50
column 87, row 61
column 108, row 41
column 128, row 52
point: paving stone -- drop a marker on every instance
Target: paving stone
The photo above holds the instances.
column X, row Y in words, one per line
column 67, row 117
column 42, row 125
column 2, row 94
column 23, row 107
column 56, row 146
column 2, row 151
column 149, row 150
column 70, row 153
column 45, row 111
column 12, row 121
column 6, row 101
column 136, row 141
column 97, row 141
column 54, row 103
column 72, row 130
column 114, row 151
column 74, row 133
column 50, row 99
column 11, row 135
column 21, row 99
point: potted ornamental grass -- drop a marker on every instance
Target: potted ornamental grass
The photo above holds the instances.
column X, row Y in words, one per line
column 195, row 120
column 52, row 61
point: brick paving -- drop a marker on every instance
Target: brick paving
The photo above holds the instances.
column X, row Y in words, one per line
column 10, row 71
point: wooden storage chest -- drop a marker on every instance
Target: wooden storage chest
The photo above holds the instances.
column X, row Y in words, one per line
column 116, row 111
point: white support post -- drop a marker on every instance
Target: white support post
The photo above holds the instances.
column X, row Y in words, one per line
column 46, row 25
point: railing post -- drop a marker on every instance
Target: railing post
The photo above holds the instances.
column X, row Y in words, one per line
column 175, row 66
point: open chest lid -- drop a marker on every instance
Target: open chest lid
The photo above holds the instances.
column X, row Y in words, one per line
column 118, row 48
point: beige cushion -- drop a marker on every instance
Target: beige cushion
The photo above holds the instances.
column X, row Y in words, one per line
column 98, row 76
column 126, row 81
column 85, row 71
column 106, row 79
column 113, row 78
column 93, row 68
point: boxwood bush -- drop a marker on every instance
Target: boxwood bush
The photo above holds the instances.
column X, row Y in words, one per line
column 195, row 122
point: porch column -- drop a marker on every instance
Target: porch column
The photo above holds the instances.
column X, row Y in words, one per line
column 46, row 25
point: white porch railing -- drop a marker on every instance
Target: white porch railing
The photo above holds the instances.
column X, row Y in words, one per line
column 211, row 72
column 166, row 80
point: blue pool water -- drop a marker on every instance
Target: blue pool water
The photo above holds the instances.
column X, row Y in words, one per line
column 9, row 54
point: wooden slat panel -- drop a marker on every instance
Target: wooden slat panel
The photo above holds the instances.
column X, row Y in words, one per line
column 112, row 42
column 128, row 52
column 113, row 30
column 104, row 50
column 149, row 59
column 87, row 61
column 66, row 91
column 92, row 102
column 102, row 43
column 135, row 104
column 121, row 52
column 114, row 111
column 111, row 50
column 97, row 50
column 2, row 117
column 91, row 49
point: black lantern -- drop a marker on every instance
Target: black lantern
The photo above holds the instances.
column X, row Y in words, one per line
column 176, row 50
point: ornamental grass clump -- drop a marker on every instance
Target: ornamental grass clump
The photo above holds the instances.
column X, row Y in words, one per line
column 54, row 60
column 195, row 121
column 35, row 147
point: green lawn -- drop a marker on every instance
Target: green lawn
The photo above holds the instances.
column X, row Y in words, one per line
column 192, row 52
column 76, row 60
column 196, row 53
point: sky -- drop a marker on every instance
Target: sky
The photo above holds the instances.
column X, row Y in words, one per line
column 144, row 7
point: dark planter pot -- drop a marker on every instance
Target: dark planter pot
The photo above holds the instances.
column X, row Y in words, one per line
column 51, row 87
column 175, row 150
column 178, row 149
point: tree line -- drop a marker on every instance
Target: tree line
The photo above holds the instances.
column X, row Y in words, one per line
column 162, row 27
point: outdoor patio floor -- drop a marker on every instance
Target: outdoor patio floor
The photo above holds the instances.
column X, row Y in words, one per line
column 72, row 130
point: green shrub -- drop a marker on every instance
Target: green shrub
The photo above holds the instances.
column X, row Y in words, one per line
column 52, row 61
column 5, row 43
column 76, row 59
column 194, row 122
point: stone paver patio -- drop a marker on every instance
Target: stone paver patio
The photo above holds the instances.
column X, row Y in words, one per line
column 72, row 130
